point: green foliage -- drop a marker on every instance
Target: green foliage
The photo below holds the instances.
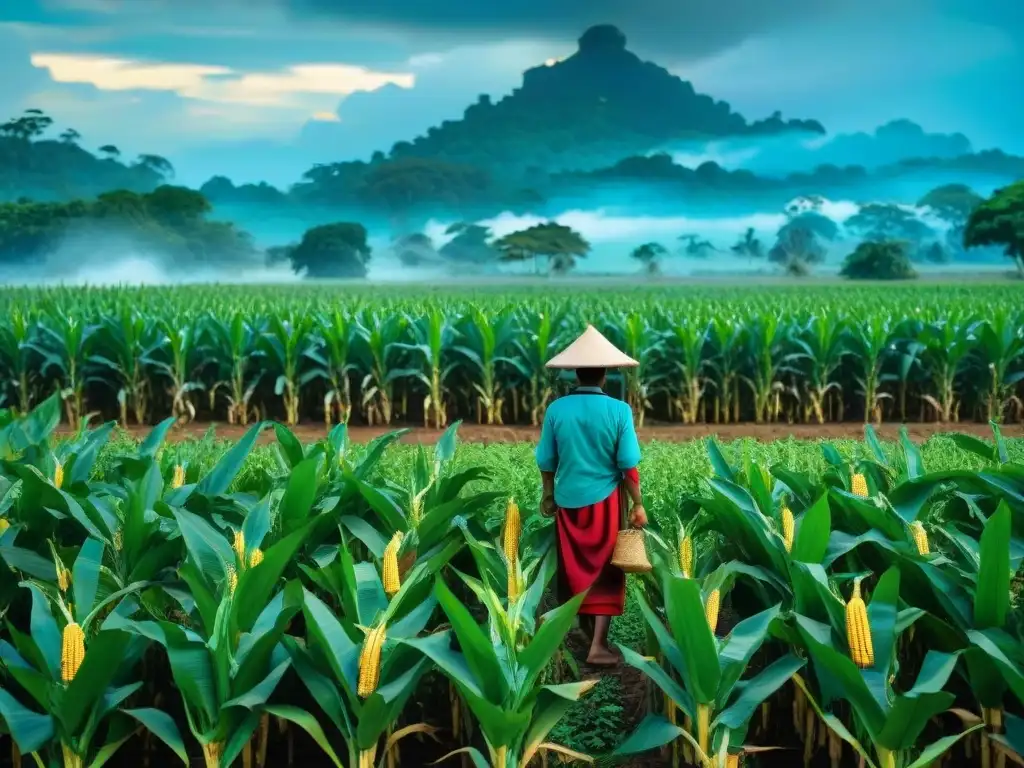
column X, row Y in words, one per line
column 332, row 250
column 559, row 244
column 879, row 260
column 170, row 221
column 1000, row 221
column 32, row 166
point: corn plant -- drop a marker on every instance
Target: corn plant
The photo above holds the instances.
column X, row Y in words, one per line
column 333, row 363
column 63, row 344
column 861, row 670
column 284, row 345
column 126, row 346
column 229, row 346
column 78, row 674
column 499, row 679
column 711, row 695
column 356, row 665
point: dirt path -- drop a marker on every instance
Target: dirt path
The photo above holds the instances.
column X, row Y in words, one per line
column 476, row 433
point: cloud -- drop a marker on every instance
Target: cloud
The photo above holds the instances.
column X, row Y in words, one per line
column 217, row 83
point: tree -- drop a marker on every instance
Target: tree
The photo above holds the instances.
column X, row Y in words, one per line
column 560, row 244
column 110, row 151
column 953, row 203
column 999, row 221
column 749, row 245
column 695, row 248
column 158, row 165
column 471, row 244
column 413, row 250
column 332, row 251
column 70, row 136
column 879, row 260
column 884, row 221
column 174, row 206
column 650, row 255
column 797, row 247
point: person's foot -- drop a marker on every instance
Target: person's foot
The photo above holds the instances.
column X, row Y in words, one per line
column 602, row 657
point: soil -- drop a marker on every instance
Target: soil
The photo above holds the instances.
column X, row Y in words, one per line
column 672, row 433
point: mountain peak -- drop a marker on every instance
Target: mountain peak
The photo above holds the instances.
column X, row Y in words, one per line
column 602, row 38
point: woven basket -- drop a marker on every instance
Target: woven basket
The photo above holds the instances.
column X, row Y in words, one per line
column 630, row 554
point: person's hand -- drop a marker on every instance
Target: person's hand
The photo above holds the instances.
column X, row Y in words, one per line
column 638, row 516
column 548, row 507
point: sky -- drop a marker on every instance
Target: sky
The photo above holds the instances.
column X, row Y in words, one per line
column 262, row 88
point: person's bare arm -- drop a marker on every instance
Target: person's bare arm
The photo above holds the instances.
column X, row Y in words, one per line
column 637, row 513
column 548, row 506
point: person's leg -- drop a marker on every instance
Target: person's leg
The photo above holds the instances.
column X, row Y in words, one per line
column 600, row 654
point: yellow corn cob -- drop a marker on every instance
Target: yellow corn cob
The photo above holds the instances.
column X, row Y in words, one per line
column 513, row 526
column 858, row 631
column 859, row 486
column 58, row 474
column 389, row 570
column 4, row 525
column 732, row 761
column 72, row 652
column 369, row 661
column 232, row 580
column 920, row 538
column 788, row 528
column 255, row 557
column 118, row 540
column 711, row 610
column 686, row 557
column 63, row 578
column 179, row 476
column 239, row 546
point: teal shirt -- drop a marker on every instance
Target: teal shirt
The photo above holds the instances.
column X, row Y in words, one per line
column 588, row 441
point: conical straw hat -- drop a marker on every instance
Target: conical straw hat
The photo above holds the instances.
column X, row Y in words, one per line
column 592, row 350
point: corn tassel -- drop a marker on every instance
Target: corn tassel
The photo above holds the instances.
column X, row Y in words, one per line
column 513, row 530
column 859, row 486
column 788, row 528
column 179, row 476
column 711, row 610
column 72, row 651
column 389, row 570
column 858, row 630
column 63, row 578
column 239, row 546
column 58, row 474
column 686, row 557
column 232, row 580
column 369, row 661
column 920, row 538
column 255, row 557
column 118, row 541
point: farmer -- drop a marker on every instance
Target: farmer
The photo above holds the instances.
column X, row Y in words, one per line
column 587, row 456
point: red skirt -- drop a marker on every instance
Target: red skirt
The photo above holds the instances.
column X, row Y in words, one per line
column 586, row 541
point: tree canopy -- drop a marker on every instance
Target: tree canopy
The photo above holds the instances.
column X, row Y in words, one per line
column 338, row 250
column 170, row 221
column 999, row 221
column 879, row 260
column 559, row 244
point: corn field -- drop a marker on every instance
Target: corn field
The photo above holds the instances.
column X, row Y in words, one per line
column 401, row 356
column 330, row 614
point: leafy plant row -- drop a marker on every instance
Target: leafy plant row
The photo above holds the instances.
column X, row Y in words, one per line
column 435, row 360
